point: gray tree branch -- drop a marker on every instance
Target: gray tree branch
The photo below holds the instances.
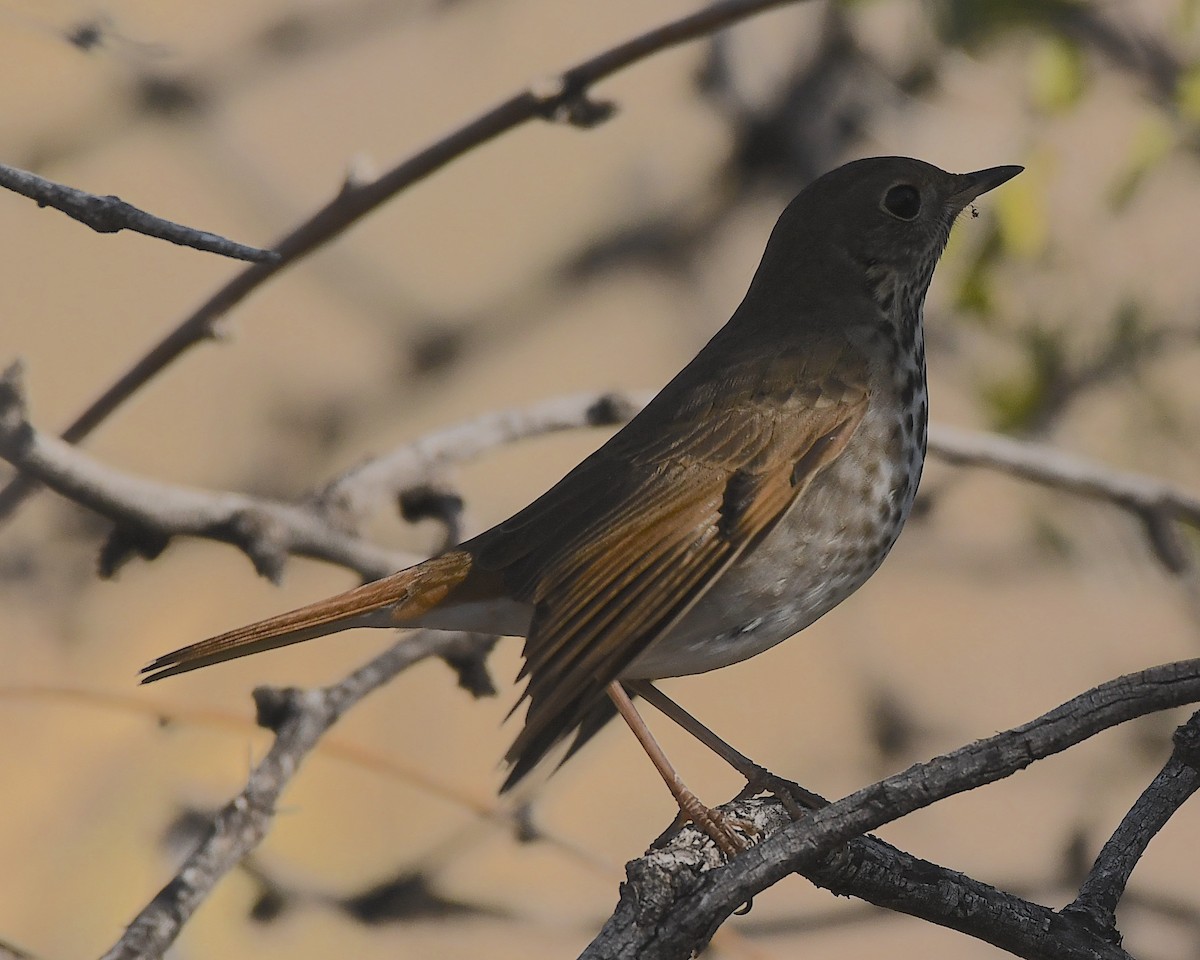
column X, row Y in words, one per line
column 362, row 489
column 149, row 513
column 111, row 214
column 560, row 99
column 676, row 897
column 879, row 875
column 1105, row 883
column 1157, row 504
column 299, row 718
column 324, row 526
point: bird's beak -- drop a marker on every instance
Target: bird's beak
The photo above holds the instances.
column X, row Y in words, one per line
column 972, row 185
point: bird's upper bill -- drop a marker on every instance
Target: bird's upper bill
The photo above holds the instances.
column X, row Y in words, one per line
column 980, row 182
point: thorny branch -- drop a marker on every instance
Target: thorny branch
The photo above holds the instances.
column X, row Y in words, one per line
column 111, row 214
column 148, row 513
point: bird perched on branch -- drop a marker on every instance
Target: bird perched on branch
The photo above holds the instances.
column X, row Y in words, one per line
column 759, row 489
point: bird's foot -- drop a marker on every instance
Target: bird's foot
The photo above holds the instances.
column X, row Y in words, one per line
column 797, row 800
column 731, row 834
column 728, row 833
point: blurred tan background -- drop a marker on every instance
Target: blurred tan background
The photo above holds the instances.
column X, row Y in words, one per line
column 557, row 260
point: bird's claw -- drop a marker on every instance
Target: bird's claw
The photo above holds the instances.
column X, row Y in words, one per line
column 797, row 800
column 728, row 833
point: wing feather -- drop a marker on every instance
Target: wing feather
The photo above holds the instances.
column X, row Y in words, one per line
column 645, row 527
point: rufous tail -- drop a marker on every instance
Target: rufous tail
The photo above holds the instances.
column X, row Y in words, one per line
column 410, row 593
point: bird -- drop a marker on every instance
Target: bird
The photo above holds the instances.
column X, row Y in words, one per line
column 761, row 487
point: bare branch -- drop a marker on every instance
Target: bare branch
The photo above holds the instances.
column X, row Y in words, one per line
column 880, row 874
column 362, row 489
column 111, row 214
column 324, row 526
column 266, row 530
column 1157, row 505
column 663, row 915
column 137, row 502
column 299, row 719
column 1105, row 884
column 562, row 99
column 1135, row 492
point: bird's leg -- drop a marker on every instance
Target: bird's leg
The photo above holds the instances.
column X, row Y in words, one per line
column 794, row 797
column 712, row 822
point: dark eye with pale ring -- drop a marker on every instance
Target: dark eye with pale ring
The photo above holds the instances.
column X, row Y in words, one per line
column 903, row 201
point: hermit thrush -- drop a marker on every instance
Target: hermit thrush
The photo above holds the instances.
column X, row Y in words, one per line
column 759, row 489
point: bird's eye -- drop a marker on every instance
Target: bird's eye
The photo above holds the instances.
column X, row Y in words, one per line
column 902, row 201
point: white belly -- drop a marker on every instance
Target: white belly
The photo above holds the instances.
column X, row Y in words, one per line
column 831, row 541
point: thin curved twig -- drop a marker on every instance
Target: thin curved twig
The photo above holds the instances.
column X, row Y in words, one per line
column 299, row 718
column 362, row 489
column 1138, row 493
column 1105, row 883
column 561, row 99
column 324, row 526
column 149, row 513
column 111, row 214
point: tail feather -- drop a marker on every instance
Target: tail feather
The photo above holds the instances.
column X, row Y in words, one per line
column 409, row 594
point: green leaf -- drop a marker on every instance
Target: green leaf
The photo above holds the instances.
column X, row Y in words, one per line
column 970, row 22
column 1052, row 539
column 1187, row 94
column 1058, row 74
column 1149, row 145
column 1015, row 404
column 1021, row 213
column 974, row 294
